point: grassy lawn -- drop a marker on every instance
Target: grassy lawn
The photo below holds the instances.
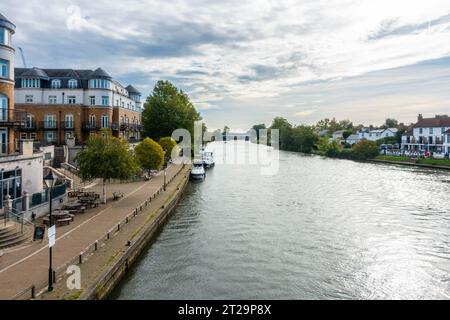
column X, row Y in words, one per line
column 394, row 158
column 433, row 162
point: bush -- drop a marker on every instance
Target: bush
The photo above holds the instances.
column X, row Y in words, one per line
column 150, row 155
column 364, row 150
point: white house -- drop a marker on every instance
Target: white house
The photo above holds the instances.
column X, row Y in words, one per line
column 338, row 135
column 371, row 135
column 428, row 134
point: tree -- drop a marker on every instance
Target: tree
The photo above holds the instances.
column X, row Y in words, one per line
column 304, row 138
column 347, row 133
column 106, row 158
column 258, row 127
column 365, row 149
column 168, row 109
column 167, row 145
column 390, row 123
column 150, row 155
column 285, row 132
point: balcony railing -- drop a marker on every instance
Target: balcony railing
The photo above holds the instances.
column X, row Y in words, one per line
column 12, row 118
column 90, row 126
column 48, row 125
column 68, row 125
column 29, row 126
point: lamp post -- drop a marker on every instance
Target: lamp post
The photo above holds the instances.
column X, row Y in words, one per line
column 50, row 182
column 165, row 173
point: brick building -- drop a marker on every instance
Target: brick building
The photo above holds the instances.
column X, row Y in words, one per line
column 67, row 103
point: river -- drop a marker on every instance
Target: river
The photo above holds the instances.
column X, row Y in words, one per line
column 318, row 229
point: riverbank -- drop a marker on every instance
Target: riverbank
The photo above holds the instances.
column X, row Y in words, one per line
column 100, row 224
column 404, row 161
column 103, row 268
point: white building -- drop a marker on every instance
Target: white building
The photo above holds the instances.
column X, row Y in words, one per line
column 428, row 134
column 371, row 135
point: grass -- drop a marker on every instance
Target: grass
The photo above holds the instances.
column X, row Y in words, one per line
column 74, row 296
column 431, row 162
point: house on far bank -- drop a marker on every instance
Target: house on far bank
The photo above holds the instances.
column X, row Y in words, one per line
column 371, row 135
column 338, row 135
column 428, row 134
column 353, row 139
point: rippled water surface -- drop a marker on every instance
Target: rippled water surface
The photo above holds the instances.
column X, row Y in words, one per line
column 319, row 229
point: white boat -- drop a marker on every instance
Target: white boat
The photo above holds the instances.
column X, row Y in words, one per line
column 208, row 160
column 198, row 171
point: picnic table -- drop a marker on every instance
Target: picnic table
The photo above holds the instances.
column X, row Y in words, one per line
column 74, row 207
column 117, row 195
column 91, row 201
column 60, row 217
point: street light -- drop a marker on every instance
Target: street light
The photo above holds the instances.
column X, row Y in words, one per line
column 50, row 181
column 165, row 173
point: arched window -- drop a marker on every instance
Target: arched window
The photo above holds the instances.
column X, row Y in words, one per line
column 73, row 84
column 105, row 121
column 92, row 120
column 56, row 84
column 69, row 123
column 3, row 108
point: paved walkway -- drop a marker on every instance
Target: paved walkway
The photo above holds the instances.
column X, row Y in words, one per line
column 21, row 268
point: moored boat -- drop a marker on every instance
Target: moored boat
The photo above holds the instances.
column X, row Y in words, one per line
column 198, row 171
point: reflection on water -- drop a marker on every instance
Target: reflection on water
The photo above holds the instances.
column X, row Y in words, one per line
column 319, row 229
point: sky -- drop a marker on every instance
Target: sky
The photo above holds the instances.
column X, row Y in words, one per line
column 246, row 62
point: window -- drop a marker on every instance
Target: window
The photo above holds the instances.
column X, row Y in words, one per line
column 420, row 130
column 92, row 120
column 52, row 99
column 73, row 84
column 33, row 135
column 431, row 130
column 69, row 135
column 50, row 121
column 99, row 84
column 92, row 99
column 23, row 135
column 105, row 101
column 31, row 83
column 4, row 68
column 105, row 121
column 30, row 121
column 69, row 123
column 3, row 108
column 56, row 84
column 72, row 99
column 50, row 136
column 5, row 37
column 29, row 99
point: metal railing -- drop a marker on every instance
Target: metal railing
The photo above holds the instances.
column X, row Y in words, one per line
column 12, row 215
column 12, row 117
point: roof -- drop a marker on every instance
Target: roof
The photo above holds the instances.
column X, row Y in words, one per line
column 100, row 73
column 132, row 89
column 353, row 137
column 339, row 132
column 437, row 121
column 394, row 130
column 33, row 72
column 5, row 23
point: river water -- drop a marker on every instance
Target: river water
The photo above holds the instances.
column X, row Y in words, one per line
column 318, row 229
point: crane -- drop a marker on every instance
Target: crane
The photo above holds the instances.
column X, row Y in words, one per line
column 23, row 58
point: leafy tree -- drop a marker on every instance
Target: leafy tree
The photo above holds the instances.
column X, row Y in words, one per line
column 334, row 149
column 106, row 158
column 304, row 138
column 391, row 123
column 322, row 145
column 258, row 127
column 167, row 144
column 150, row 155
column 168, row 109
column 347, row 133
column 365, row 149
column 285, row 132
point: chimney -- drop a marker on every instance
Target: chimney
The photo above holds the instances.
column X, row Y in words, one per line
column 420, row 117
column 26, row 147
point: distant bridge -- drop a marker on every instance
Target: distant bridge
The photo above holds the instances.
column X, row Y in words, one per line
column 230, row 136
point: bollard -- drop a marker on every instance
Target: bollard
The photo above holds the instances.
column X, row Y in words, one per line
column 96, row 246
column 33, row 292
column 54, row 276
column 118, row 227
column 129, row 244
column 107, row 236
column 126, row 220
column 80, row 260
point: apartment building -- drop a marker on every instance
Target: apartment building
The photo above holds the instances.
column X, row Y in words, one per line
column 67, row 103
column 21, row 170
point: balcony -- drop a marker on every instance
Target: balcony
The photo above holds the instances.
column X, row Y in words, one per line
column 48, row 125
column 89, row 127
column 12, row 118
column 29, row 126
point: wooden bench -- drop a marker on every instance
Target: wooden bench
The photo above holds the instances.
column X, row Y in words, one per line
column 64, row 222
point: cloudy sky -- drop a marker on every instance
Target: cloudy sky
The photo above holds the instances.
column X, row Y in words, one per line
column 245, row 62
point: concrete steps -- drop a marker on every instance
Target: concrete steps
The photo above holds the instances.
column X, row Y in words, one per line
column 11, row 235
